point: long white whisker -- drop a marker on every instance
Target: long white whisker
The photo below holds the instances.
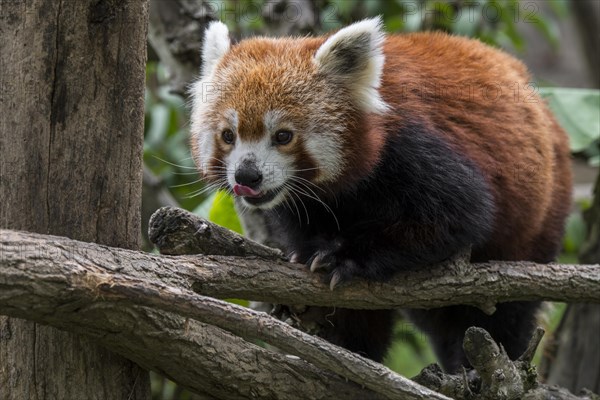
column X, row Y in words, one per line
column 285, row 201
column 173, row 164
column 207, row 188
column 293, row 191
column 300, row 170
column 186, row 184
column 290, row 189
column 327, row 208
column 185, row 173
column 308, row 182
column 305, row 186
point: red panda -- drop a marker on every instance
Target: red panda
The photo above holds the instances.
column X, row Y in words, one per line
column 373, row 154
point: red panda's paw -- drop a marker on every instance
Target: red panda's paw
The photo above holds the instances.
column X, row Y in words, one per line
column 339, row 270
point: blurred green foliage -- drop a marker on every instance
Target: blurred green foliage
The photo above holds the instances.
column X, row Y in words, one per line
column 578, row 111
column 492, row 21
column 166, row 139
column 410, row 351
column 166, row 150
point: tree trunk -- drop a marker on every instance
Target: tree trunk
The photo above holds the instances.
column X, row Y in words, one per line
column 72, row 101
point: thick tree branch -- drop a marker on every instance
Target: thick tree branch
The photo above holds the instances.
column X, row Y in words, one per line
column 55, row 281
column 86, row 281
column 275, row 281
column 177, row 232
column 248, row 323
column 280, row 282
column 75, row 286
column 251, row 324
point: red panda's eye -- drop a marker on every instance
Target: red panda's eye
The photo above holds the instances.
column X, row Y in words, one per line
column 283, row 137
column 228, row 136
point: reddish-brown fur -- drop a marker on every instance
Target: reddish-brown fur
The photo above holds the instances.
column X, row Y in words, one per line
column 479, row 98
column 494, row 117
column 265, row 74
column 457, row 94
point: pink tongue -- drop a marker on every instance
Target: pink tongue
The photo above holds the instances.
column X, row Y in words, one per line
column 246, row 191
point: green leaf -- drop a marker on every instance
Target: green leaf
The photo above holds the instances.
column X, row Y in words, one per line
column 578, row 111
column 239, row 302
column 575, row 233
column 410, row 352
column 223, row 212
column 394, row 23
column 159, row 124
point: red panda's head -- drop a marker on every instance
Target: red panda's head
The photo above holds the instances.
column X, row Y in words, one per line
column 271, row 116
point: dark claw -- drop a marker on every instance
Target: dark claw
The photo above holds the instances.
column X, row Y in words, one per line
column 335, row 279
column 319, row 262
column 294, row 257
column 328, row 259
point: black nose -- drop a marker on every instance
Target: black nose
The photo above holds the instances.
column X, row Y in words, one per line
column 248, row 174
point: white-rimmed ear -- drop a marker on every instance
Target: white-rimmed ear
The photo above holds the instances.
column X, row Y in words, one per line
column 354, row 57
column 216, row 43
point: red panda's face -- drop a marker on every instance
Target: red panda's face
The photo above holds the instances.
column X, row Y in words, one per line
column 273, row 118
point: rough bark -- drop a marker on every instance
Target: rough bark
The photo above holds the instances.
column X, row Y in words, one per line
column 85, row 285
column 99, row 290
column 185, row 242
column 75, row 293
column 71, row 100
column 281, row 282
column 276, row 281
column 176, row 231
column 201, row 357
